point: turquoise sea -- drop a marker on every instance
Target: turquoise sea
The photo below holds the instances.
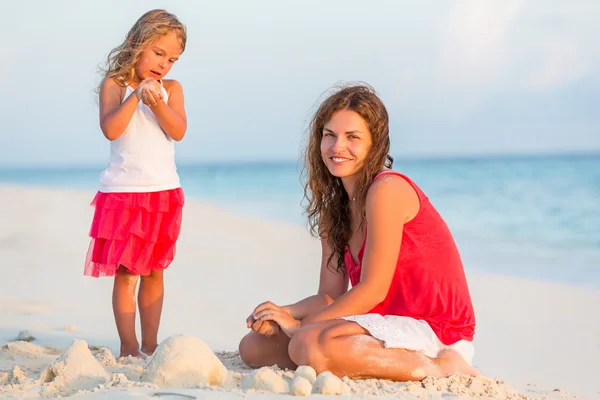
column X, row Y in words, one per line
column 526, row 216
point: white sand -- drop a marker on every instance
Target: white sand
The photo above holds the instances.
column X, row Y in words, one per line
column 534, row 336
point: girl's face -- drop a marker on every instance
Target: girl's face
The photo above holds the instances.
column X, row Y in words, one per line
column 345, row 143
column 157, row 59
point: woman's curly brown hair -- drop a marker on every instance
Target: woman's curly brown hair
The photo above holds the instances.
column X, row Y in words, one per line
column 328, row 210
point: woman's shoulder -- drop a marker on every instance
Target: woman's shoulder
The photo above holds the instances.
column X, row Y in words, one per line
column 394, row 188
column 389, row 180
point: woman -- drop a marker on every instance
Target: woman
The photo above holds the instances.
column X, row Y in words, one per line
column 408, row 313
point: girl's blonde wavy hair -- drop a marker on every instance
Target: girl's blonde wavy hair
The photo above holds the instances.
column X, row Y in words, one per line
column 120, row 63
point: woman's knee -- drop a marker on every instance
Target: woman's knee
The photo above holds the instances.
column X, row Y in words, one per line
column 257, row 350
column 250, row 350
column 309, row 346
column 313, row 345
column 301, row 346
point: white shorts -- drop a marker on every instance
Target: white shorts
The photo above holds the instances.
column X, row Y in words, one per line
column 409, row 333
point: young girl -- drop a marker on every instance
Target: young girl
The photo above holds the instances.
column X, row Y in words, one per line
column 138, row 207
column 408, row 314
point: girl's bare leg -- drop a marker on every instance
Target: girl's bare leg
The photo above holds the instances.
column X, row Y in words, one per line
column 150, row 300
column 258, row 350
column 124, row 307
column 346, row 349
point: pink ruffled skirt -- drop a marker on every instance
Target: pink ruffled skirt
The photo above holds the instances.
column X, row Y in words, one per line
column 135, row 230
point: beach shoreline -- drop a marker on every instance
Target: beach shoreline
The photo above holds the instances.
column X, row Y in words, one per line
column 537, row 336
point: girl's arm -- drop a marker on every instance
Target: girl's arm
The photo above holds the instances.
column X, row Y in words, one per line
column 390, row 203
column 332, row 285
column 114, row 116
column 171, row 116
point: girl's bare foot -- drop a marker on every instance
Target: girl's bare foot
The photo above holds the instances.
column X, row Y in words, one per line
column 149, row 350
column 131, row 351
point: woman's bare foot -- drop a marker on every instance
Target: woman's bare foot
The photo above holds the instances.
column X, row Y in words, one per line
column 452, row 363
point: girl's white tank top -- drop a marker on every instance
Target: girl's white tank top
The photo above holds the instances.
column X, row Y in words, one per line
column 142, row 159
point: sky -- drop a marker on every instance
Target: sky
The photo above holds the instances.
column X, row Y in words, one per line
column 466, row 77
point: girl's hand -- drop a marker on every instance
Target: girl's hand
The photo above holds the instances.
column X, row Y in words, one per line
column 272, row 312
column 149, row 91
column 150, row 97
column 146, row 83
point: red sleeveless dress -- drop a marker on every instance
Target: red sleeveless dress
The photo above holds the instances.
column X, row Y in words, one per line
column 429, row 283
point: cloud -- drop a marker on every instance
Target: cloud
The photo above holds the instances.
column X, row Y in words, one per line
column 488, row 50
column 561, row 62
column 474, row 50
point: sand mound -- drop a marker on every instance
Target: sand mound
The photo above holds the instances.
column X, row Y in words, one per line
column 75, row 369
column 104, row 356
column 265, row 380
column 18, row 375
column 303, row 381
column 300, row 386
column 24, row 349
column 185, row 361
column 329, row 384
column 306, row 372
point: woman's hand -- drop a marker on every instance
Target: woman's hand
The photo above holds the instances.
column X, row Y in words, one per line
column 270, row 312
column 267, row 328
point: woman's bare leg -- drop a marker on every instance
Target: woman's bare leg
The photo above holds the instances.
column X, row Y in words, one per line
column 346, row 349
column 258, row 350
column 150, row 300
column 124, row 309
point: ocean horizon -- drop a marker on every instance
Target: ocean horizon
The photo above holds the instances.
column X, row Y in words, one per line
column 534, row 216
